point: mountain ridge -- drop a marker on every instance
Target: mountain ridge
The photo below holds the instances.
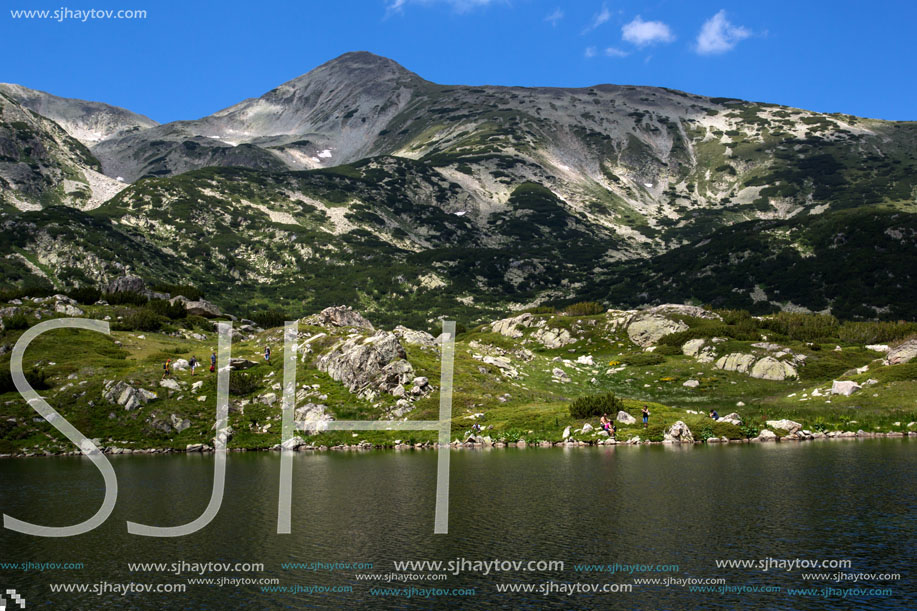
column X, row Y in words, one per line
column 360, row 162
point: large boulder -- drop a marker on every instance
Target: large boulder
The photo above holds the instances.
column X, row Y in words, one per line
column 170, row 384
column 902, row 353
column 844, row 387
column 201, row 307
column 625, row 418
column 732, row 418
column 646, row 330
column 357, row 361
column 236, row 364
column 410, row 336
column 340, row 316
column 679, row 433
column 770, row 368
column 179, row 423
column 736, row 361
column 510, row 327
column 126, row 395
column 551, row 337
column 787, row 425
column 692, row 347
column 684, row 310
column 68, row 310
column 766, row 435
column 393, row 375
column 127, row 284
column 311, row 417
column 293, row 443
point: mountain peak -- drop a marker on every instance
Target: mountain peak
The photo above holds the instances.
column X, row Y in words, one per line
column 358, row 67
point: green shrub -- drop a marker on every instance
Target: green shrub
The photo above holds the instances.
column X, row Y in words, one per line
column 802, row 327
column 642, row 359
column 701, row 332
column 36, row 378
column 584, row 308
column 749, row 430
column 87, row 295
column 8, row 294
column 540, row 310
column 732, row 317
column 897, row 373
column 199, row 322
column 125, row 298
column 831, row 365
column 595, row 405
column 269, row 318
column 140, row 319
column 242, row 383
column 16, row 322
column 727, row 430
column 875, row 332
column 191, row 292
column 175, row 311
column 653, row 432
column 668, row 350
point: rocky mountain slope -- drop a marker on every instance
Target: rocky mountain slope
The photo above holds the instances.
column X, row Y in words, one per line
column 41, row 165
column 793, row 377
column 88, row 122
column 367, row 184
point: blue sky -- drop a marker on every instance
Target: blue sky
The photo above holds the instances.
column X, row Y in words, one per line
column 186, row 60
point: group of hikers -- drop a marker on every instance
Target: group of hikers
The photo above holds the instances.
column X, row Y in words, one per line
column 193, row 363
column 609, row 426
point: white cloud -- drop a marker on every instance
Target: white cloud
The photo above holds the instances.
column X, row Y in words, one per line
column 643, row 33
column 590, row 52
column 718, row 35
column 615, row 52
column 554, row 17
column 598, row 19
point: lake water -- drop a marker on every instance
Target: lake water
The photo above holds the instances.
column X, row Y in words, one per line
column 659, row 505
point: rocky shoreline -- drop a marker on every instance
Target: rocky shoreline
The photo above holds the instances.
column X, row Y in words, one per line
column 486, row 442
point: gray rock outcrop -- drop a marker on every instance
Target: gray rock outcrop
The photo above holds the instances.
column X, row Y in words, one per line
column 236, row 364
column 736, row 361
column 127, row 284
column 357, row 361
column 844, row 387
column 770, row 368
column 410, row 336
column 201, row 307
column 552, row 338
column 902, row 353
column 126, row 395
column 679, row 433
column 340, row 316
column 510, row 327
column 646, row 330
column 789, row 426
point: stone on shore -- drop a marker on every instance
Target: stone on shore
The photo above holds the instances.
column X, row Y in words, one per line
column 678, row 433
column 787, row 425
